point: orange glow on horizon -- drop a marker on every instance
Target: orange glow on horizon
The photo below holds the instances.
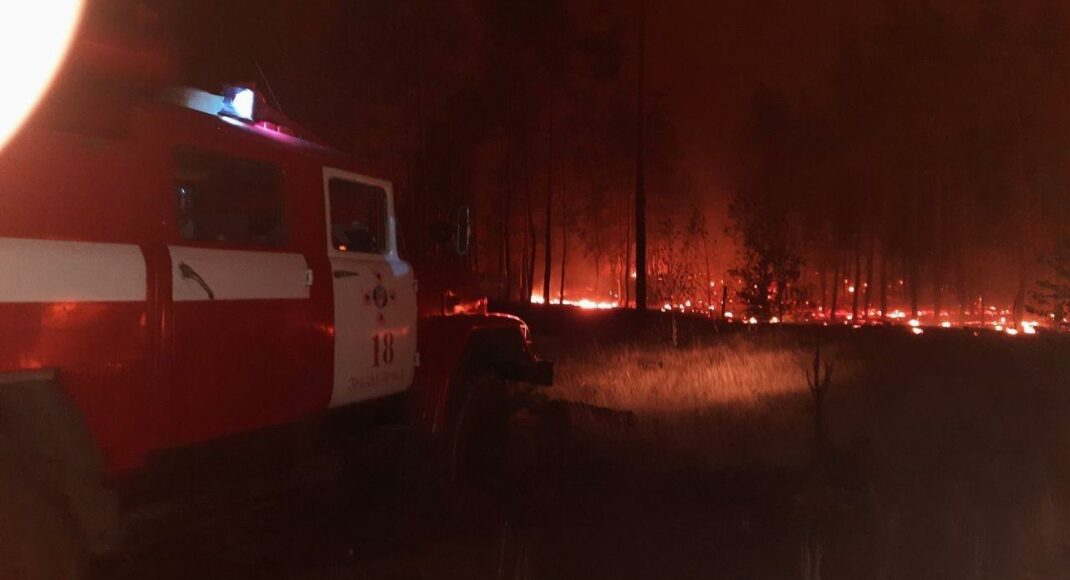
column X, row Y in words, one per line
column 918, row 320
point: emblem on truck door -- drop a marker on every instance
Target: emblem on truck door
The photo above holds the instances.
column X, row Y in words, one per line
column 380, row 296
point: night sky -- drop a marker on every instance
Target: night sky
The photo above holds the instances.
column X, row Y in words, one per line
column 708, row 58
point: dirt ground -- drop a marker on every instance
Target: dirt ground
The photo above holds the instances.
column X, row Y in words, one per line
column 589, row 518
column 948, row 457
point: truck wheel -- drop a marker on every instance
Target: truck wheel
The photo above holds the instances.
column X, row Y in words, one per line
column 479, row 446
column 37, row 539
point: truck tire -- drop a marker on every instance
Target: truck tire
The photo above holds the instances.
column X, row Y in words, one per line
column 483, row 471
column 479, row 443
column 38, row 540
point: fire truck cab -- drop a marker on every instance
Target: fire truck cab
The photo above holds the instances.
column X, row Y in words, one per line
column 179, row 268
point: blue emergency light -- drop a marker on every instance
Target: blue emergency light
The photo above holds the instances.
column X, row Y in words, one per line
column 239, row 102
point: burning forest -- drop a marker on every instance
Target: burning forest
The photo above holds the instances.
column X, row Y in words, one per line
column 914, row 153
column 524, row 289
column 913, row 162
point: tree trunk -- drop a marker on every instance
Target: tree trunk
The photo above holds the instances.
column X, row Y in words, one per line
column 857, row 281
column 597, row 233
column 1019, row 295
column 548, row 241
column 532, row 249
column 724, row 301
column 507, row 250
column 564, row 246
column 1024, row 215
column 627, row 271
column 640, row 169
column 473, row 241
column 912, row 285
column 937, row 253
column 963, row 289
column 709, row 271
column 620, row 265
column 835, row 291
column 822, row 304
column 597, row 271
column 884, row 284
column 938, row 293
column 525, row 283
column 913, row 256
column 868, row 287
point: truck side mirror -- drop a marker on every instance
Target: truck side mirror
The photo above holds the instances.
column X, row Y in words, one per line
column 463, row 238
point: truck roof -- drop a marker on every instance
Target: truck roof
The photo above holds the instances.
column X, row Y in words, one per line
column 274, row 128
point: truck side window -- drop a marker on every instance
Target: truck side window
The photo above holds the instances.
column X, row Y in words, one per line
column 227, row 199
column 358, row 216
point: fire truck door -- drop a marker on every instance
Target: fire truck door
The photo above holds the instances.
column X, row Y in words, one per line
column 374, row 296
column 240, row 299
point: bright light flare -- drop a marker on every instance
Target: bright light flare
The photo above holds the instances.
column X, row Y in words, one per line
column 592, row 305
column 917, row 331
column 914, row 323
column 945, row 324
column 244, row 103
column 585, row 304
column 34, row 38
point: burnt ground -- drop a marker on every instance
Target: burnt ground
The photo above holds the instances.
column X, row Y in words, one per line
column 967, row 481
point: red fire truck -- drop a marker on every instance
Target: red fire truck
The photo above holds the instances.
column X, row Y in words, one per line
column 183, row 269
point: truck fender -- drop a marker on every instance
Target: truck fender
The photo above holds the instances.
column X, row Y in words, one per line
column 44, row 437
column 505, row 351
column 454, row 346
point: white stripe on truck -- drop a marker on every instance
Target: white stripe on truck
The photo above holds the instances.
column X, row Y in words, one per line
column 238, row 274
column 60, row 271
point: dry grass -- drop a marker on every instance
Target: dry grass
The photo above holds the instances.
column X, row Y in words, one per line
column 734, row 401
column 961, row 444
column 663, row 378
